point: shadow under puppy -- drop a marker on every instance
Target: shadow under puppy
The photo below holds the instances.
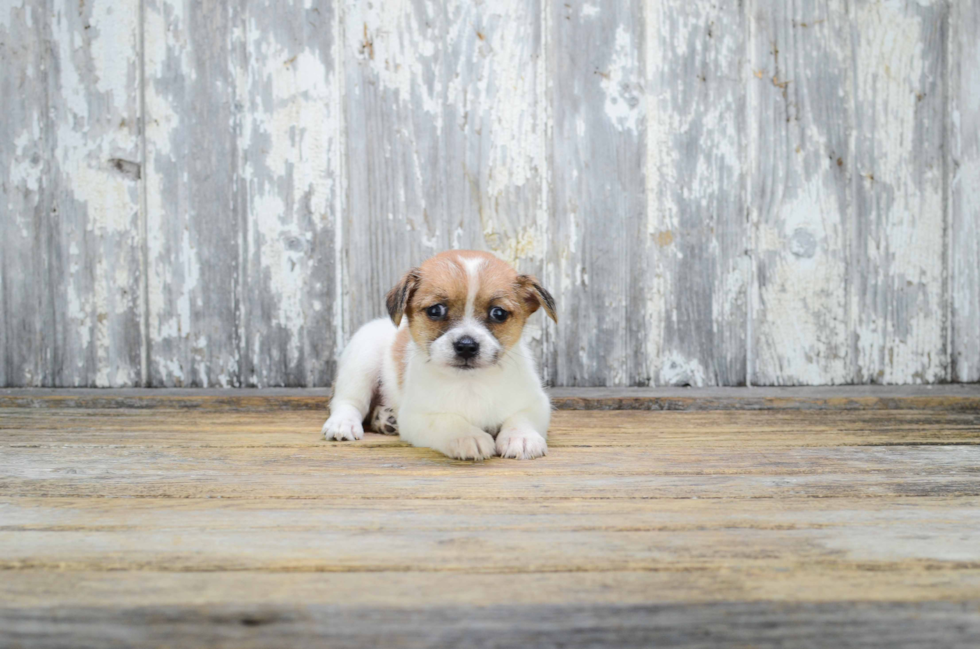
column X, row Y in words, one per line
column 449, row 370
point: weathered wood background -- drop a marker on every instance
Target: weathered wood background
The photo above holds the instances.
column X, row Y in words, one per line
column 718, row 193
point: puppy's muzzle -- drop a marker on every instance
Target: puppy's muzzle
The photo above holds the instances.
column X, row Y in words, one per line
column 466, row 348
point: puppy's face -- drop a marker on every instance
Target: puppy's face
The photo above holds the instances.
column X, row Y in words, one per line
column 466, row 308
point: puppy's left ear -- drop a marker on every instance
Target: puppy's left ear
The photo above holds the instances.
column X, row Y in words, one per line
column 536, row 296
column 400, row 294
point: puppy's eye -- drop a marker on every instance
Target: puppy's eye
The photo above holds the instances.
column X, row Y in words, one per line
column 497, row 314
column 436, row 312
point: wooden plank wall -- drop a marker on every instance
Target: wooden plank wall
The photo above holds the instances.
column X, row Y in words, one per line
column 963, row 185
column 70, row 276
column 218, row 194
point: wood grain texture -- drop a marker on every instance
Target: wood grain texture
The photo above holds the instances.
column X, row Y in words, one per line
column 445, row 140
column 393, row 591
column 757, row 624
column 697, row 273
column 800, row 196
column 37, row 428
column 195, row 198
column 849, row 193
column 897, row 231
column 768, row 193
column 639, row 528
column 426, row 536
column 25, row 200
column 960, row 398
column 598, row 226
column 70, row 225
column 579, row 473
column 291, row 177
column 963, row 178
column 164, row 454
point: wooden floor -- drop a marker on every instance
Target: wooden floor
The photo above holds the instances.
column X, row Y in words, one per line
column 240, row 527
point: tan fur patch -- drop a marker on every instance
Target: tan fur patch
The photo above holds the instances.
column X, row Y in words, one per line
column 398, row 352
column 499, row 288
column 444, row 279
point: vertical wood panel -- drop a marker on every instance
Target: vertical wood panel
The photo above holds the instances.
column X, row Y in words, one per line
column 290, row 147
column 445, row 139
column 598, row 184
column 897, row 230
column 696, row 292
column 395, row 94
column 72, row 188
column 800, row 199
column 194, row 208
column 963, row 138
column 24, row 194
column 96, row 255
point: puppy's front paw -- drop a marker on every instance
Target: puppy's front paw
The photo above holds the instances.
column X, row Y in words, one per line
column 470, row 446
column 343, row 426
column 521, row 444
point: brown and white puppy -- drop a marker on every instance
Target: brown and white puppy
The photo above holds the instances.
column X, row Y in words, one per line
column 449, row 370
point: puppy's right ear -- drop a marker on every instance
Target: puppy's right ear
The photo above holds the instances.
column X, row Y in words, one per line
column 398, row 297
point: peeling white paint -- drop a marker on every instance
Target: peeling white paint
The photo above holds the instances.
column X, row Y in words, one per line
column 964, row 192
column 166, row 271
column 91, row 120
column 114, row 27
column 905, row 343
column 622, row 83
column 25, row 169
column 507, row 92
column 675, row 369
column 693, row 179
column 379, row 34
column 801, row 340
column 461, row 98
column 300, row 127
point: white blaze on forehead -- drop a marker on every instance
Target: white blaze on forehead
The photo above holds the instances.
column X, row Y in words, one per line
column 472, row 266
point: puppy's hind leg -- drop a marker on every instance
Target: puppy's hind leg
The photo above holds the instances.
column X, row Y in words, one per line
column 383, row 420
column 357, row 379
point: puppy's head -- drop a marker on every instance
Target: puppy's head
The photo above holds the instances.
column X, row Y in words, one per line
column 466, row 308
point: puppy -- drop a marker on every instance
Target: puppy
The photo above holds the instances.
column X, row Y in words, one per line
column 449, row 370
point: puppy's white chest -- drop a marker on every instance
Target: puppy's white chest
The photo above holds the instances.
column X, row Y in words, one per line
column 484, row 400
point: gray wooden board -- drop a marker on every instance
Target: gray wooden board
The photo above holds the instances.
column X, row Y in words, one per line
column 597, row 68
column 800, row 194
column 445, row 141
column 24, row 198
column 572, row 473
column 291, row 185
column 904, row 538
column 757, row 624
column 897, row 229
column 924, row 397
column 70, row 273
column 193, row 192
column 694, row 296
column 963, row 178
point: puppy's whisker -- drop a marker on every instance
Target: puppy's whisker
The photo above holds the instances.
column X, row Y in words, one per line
column 520, row 354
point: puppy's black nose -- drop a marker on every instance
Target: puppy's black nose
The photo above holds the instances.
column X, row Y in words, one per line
column 466, row 347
